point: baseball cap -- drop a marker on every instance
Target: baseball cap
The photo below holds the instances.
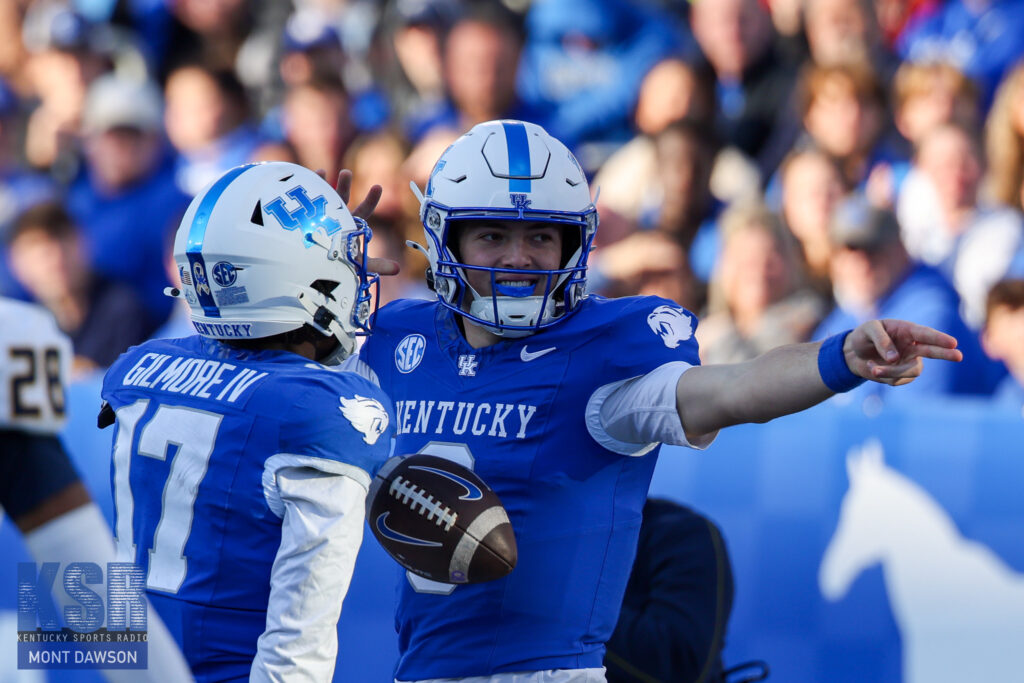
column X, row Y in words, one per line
column 116, row 101
column 308, row 30
column 440, row 13
column 54, row 25
column 857, row 224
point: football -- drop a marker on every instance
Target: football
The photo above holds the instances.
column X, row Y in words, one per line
column 439, row 520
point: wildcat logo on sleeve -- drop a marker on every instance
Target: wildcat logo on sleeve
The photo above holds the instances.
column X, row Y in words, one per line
column 671, row 324
column 367, row 416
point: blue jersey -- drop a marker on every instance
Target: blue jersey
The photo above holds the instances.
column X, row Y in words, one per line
column 198, row 426
column 515, row 412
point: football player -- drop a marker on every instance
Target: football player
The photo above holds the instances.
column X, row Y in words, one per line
column 39, row 487
column 240, row 461
column 560, row 401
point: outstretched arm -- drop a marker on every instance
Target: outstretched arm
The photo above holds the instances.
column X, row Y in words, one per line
column 790, row 378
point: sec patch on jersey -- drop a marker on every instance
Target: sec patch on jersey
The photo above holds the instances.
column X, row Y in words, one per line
column 439, row 520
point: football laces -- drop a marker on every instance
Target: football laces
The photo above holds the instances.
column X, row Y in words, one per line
column 422, row 502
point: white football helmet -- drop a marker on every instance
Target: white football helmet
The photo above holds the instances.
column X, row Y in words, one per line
column 270, row 247
column 508, row 170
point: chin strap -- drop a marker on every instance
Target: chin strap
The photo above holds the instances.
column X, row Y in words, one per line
column 520, row 315
column 328, row 324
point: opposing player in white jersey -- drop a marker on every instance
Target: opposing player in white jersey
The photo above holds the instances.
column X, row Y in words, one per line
column 40, row 490
column 560, row 401
column 240, row 461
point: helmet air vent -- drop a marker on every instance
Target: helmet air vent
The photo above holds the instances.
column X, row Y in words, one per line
column 257, row 213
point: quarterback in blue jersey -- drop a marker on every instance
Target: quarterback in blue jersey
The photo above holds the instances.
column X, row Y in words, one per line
column 240, row 461
column 560, row 400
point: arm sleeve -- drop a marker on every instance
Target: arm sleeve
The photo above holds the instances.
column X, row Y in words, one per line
column 634, row 415
column 322, row 529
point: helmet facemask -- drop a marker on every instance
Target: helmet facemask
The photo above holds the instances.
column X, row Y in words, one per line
column 330, row 304
column 508, row 171
column 507, row 312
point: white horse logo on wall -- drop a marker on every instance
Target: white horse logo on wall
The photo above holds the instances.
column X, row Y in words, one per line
column 958, row 606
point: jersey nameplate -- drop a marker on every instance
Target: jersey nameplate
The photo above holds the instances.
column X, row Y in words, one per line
column 192, row 376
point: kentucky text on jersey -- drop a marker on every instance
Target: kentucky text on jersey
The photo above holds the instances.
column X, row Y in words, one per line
column 422, row 417
column 192, row 376
column 224, row 329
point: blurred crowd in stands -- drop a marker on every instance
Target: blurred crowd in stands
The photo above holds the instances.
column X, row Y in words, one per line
column 783, row 168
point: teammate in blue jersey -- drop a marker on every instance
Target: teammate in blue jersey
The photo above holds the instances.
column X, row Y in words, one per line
column 559, row 401
column 240, row 461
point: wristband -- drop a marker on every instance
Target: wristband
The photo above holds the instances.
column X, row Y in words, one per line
column 835, row 373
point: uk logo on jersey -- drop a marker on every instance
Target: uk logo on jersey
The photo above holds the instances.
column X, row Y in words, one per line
column 367, row 416
column 671, row 324
column 310, row 214
column 467, row 365
column 409, row 353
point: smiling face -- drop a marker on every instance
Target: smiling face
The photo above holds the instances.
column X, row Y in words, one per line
column 509, row 245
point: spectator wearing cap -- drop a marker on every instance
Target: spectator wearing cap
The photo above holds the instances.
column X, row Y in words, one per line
column 873, row 276
column 207, row 122
column 318, row 45
column 311, row 48
column 66, row 54
column 125, row 197
column 409, row 42
column 102, row 317
column 1004, row 330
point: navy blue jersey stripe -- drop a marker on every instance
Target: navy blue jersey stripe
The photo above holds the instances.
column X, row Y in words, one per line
column 196, row 235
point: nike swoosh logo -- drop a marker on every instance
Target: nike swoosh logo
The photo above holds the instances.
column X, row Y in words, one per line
column 472, row 492
column 388, row 532
column 527, row 356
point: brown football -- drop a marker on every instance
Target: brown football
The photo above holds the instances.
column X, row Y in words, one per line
column 439, row 520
